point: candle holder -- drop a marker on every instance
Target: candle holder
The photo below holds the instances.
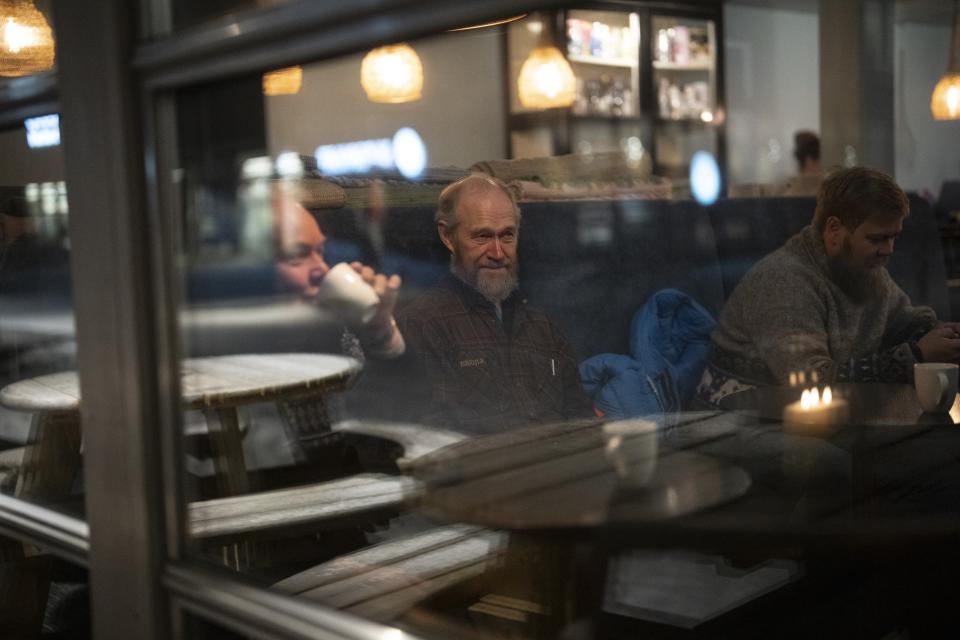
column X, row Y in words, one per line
column 815, row 414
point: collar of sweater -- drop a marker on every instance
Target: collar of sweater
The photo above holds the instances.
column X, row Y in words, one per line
column 810, row 241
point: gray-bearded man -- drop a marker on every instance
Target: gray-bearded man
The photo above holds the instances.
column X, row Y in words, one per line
column 489, row 361
column 824, row 305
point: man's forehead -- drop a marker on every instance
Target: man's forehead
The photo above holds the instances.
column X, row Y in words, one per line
column 882, row 224
column 485, row 206
column 293, row 222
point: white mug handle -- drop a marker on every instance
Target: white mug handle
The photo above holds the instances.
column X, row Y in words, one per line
column 944, row 386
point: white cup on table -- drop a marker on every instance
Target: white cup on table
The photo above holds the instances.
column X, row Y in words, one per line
column 345, row 294
column 631, row 447
column 936, row 384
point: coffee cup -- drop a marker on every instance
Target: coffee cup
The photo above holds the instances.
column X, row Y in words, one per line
column 631, row 447
column 347, row 296
column 936, row 385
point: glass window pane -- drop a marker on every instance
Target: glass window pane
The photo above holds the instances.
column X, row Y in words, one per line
column 40, row 436
column 532, row 425
column 39, row 426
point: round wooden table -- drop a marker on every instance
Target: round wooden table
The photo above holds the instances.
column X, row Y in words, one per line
column 564, row 477
column 217, row 386
column 875, row 404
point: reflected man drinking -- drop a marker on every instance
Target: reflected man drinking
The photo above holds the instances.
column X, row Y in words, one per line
column 301, row 268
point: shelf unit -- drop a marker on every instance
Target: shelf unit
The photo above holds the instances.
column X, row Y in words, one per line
column 602, row 62
column 649, row 77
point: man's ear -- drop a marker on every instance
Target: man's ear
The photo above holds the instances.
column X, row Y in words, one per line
column 834, row 233
column 444, row 231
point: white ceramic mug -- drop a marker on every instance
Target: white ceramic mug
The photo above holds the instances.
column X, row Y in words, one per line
column 345, row 293
column 631, row 446
column 936, row 385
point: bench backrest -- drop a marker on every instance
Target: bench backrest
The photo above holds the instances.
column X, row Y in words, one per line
column 591, row 264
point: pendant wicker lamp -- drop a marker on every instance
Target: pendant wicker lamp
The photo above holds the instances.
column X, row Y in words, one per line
column 392, row 74
column 546, row 79
column 283, row 82
column 26, row 41
column 945, row 102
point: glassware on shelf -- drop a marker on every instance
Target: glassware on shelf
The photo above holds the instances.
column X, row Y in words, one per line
column 683, row 100
column 603, row 96
column 594, row 39
column 682, row 46
column 617, row 103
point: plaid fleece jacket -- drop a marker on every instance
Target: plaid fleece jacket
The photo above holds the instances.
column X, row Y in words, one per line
column 483, row 375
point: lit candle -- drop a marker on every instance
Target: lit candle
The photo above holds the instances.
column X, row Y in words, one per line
column 815, row 414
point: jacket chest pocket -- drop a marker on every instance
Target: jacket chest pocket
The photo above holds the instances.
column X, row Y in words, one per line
column 541, row 379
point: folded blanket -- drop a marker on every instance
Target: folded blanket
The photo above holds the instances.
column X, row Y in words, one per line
column 314, row 193
column 652, row 188
column 553, row 170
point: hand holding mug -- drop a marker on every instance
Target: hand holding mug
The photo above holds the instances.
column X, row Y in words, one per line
column 380, row 333
column 386, row 288
column 941, row 344
column 364, row 300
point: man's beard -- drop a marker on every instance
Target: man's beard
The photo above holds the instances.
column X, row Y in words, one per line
column 495, row 285
column 854, row 279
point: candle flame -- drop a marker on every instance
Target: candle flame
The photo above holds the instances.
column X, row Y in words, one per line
column 811, row 398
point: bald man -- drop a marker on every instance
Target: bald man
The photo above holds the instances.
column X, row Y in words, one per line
column 490, row 361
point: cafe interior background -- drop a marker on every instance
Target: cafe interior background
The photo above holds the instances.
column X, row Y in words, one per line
column 139, row 243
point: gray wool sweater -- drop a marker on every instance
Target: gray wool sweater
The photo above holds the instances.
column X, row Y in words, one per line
column 787, row 315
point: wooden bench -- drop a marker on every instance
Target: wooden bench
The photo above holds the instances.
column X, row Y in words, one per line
column 295, row 506
column 387, row 579
column 323, row 501
column 239, row 520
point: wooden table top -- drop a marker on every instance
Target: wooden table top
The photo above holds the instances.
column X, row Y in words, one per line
column 206, row 382
column 730, row 479
column 564, row 476
column 871, row 404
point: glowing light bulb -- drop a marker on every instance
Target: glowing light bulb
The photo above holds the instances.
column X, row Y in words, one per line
column 953, row 99
column 827, row 396
column 16, row 36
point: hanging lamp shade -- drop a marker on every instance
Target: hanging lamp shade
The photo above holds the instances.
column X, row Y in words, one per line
column 546, row 80
column 283, row 81
column 945, row 101
column 392, row 74
column 26, row 41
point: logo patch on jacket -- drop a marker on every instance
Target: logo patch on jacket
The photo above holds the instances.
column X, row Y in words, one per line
column 472, row 362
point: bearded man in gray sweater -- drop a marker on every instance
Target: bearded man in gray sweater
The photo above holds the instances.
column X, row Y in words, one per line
column 823, row 305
